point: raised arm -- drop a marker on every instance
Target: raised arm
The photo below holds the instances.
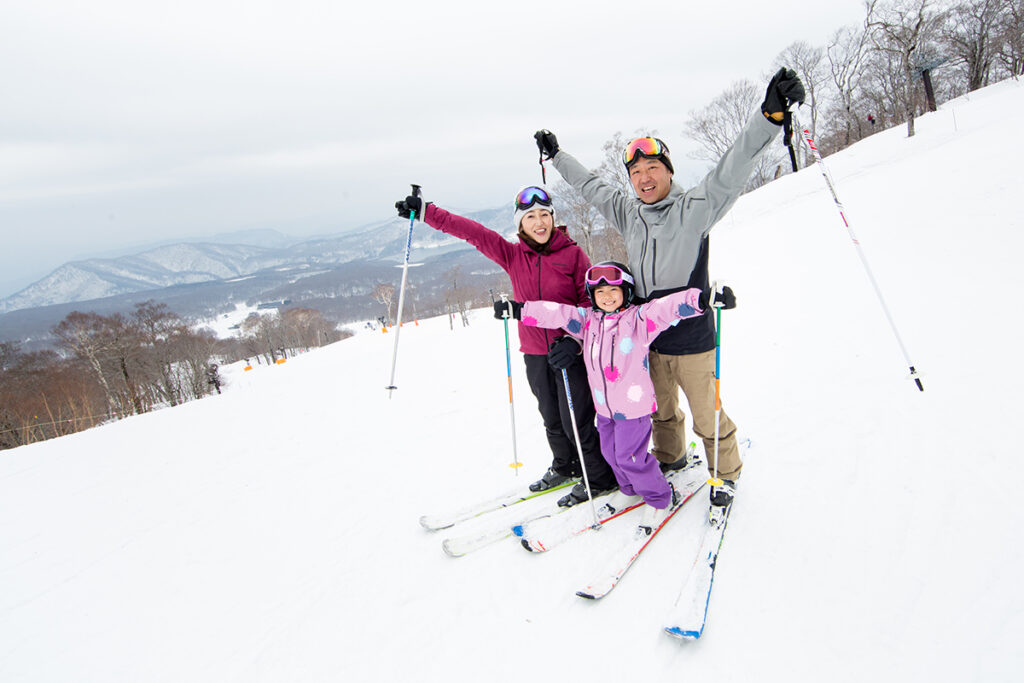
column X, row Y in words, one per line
column 488, row 242
column 723, row 185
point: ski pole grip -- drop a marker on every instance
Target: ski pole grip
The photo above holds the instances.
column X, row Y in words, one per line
column 417, row 190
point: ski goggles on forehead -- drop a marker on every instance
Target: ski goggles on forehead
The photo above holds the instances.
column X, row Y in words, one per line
column 530, row 196
column 647, row 147
column 612, row 275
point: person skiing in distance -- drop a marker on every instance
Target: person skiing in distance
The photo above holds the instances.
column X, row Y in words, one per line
column 666, row 229
column 616, row 334
column 543, row 264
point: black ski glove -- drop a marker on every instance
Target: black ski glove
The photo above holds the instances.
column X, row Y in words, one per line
column 725, row 297
column 783, row 90
column 410, row 204
column 508, row 309
column 547, row 143
column 563, row 352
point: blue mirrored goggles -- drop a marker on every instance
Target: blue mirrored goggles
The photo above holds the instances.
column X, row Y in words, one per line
column 530, row 196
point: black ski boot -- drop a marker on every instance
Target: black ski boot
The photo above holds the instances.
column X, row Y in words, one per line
column 672, row 466
column 579, row 495
column 550, row 480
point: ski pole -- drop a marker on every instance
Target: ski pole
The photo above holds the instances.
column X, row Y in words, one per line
column 715, row 288
column 401, row 293
column 860, row 251
column 511, row 406
column 787, row 140
column 579, row 449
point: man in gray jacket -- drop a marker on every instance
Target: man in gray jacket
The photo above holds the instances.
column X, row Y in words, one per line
column 665, row 229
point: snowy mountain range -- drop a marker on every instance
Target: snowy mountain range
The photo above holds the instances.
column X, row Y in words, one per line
column 191, row 263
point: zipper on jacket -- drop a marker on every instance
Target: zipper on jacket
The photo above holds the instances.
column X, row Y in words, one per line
column 547, row 332
column 600, row 367
column 643, row 250
column 654, row 263
column 600, row 362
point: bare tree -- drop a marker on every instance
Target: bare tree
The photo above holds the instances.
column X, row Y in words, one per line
column 159, row 329
column 124, row 350
column 84, row 336
column 305, row 327
column 847, row 52
column 1011, row 31
column 454, row 298
column 582, row 219
column 612, row 170
column 265, row 331
column 384, row 293
column 971, row 36
column 884, row 87
column 903, row 28
column 609, row 246
column 715, row 127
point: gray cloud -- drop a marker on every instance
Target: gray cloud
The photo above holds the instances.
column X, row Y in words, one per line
column 127, row 123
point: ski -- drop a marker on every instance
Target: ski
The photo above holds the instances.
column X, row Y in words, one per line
column 503, row 528
column 519, row 495
column 544, row 533
column 625, row 556
column 463, row 545
column 690, row 612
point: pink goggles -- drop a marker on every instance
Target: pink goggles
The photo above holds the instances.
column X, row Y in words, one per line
column 610, row 275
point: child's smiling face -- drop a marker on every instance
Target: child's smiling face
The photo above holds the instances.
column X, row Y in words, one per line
column 608, row 298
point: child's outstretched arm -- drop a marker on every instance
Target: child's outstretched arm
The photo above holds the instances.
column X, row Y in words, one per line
column 554, row 316
column 659, row 314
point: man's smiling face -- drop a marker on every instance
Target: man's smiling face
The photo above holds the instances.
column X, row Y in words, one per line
column 651, row 180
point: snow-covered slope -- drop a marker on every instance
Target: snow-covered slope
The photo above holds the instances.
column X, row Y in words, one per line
column 271, row 533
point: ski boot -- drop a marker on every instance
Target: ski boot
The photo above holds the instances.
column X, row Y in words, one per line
column 550, row 479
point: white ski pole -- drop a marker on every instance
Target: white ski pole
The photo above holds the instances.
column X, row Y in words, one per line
column 860, row 251
column 579, row 449
column 401, row 293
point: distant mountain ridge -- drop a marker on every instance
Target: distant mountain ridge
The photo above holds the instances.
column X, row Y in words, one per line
column 189, row 263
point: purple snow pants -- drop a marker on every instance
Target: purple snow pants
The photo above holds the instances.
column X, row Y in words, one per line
column 624, row 445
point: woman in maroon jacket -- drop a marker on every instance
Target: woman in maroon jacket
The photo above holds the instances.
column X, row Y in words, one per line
column 545, row 264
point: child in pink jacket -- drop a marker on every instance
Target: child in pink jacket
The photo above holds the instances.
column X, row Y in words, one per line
column 615, row 336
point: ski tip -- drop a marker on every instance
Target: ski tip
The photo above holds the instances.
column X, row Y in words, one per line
column 450, row 551
column 682, row 634
column 529, row 546
column 432, row 524
column 588, row 596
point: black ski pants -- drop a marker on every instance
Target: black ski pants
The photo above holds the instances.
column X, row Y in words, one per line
column 549, row 388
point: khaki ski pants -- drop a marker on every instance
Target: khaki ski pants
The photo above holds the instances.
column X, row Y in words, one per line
column 695, row 375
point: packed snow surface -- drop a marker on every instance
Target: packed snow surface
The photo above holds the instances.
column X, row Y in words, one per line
column 271, row 533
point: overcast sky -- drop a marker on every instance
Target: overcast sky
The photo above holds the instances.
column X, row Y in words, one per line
column 125, row 122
